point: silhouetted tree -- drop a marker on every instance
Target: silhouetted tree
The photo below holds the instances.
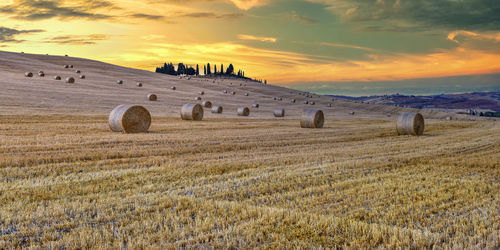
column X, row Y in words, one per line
column 197, row 70
column 221, row 69
column 215, row 69
column 204, row 69
column 230, row 69
column 209, row 71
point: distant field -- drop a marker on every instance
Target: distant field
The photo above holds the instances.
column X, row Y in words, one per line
column 67, row 181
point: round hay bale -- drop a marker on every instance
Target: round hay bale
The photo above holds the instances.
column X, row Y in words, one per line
column 246, row 94
column 78, row 71
column 41, row 74
column 197, row 98
column 119, row 81
column 201, row 92
column 279, row 112
column 139, row 84
column 70, row 80
column 255, row 105
column 192, row 111
column 329, row 105
column 274, row 98
column 217, row 109
column 57, row 78
column 293, row 100
column 306, row 102
column 152, row 97
column 173, row 88
column 312, row 103
column 129, row 119
column 243, row 111
column 333, row 99
column 312, row 118
column 280, row 99
column 206, row 104
column 66, row 66
column 233, row 93
column 71, row 66
column 82, row 76
column 389, row 114
column 28, row 74
column 352, row 113
column 225, row 91
column 410, row 124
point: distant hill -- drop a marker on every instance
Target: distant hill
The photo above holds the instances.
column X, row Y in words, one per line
column 486, row 101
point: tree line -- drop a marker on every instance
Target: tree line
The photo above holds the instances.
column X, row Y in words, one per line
column 182, row 69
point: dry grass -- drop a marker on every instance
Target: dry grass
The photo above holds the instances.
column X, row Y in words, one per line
column 66, row 181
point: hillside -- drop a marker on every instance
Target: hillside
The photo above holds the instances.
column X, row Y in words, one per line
column 459, row 103
column 98, row 94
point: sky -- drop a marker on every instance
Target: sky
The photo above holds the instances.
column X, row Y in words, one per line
column 352, row 47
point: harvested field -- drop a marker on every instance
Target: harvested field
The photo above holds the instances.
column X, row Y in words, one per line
column 67, row 181
column 247, row 183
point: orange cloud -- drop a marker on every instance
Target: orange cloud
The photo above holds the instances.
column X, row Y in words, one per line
column 289, row 68
column 257, row 38
column 452, row 35
column 248, row 4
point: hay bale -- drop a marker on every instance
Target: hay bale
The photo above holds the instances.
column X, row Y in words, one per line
column 293, row 100
column 329, row 105
column 82, row 76
column 70, row 80
column 306, row 102
column 279, row 112
column 57, row 78
column 66, row 66
column 192, row 111
column 243, row 111
column 389, row 114
column 352, row 113
column 280, row 99
column 312, row 103
column 225, row 91
column 217, row 109
column 255, row 105
column 206, row 104
column 312, row 118
column 246, row 94
column 274, row 98
column 139, row 84
column 119, row 81
column 410, row 124
column 41, row 74
column 201, row 92
column 78, row 71
column 129, row 119
column 152, row 97
column 233, row 93
column 173, row 88
column 197, row 98
column 71, row 66
column 28, row 74
column 333, row 99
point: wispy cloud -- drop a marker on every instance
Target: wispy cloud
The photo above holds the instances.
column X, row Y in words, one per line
column 78, row 39
column 257, row 38
column 248, row 4
column 8, row 34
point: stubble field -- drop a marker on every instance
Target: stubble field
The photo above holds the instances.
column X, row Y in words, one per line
column 66, row 181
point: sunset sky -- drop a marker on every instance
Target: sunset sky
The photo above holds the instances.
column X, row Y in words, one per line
column 329, row 46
